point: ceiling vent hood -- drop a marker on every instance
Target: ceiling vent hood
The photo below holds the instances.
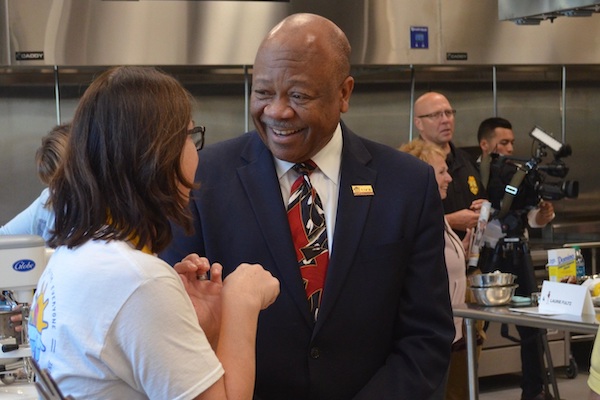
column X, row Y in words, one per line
column 533, row 12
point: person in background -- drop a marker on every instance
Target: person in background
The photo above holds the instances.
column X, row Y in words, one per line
column 455, row 252
column 374, row 321
column 496, row 136
column 434, row 119
column 109, row 318
column 38, row 217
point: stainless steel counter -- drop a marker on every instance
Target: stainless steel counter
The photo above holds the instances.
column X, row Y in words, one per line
column 581, row 324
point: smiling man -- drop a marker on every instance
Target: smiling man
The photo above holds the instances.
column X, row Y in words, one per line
column 350, row 321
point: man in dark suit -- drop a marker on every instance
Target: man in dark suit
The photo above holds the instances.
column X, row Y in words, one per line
column 383, row 328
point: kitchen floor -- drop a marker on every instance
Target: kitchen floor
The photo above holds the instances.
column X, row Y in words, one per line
column 506, row 387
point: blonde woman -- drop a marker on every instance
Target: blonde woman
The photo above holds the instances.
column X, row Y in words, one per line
column 455, row 251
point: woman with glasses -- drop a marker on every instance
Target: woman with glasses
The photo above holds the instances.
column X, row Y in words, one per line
column 110, row 319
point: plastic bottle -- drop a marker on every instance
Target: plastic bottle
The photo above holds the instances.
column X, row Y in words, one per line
column 580, row 262
column 477, row 235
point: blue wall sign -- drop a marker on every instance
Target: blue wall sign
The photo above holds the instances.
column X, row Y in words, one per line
column 419, row 37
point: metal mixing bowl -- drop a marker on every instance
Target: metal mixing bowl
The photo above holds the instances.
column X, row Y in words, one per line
column 496, row 278
column 493, row 295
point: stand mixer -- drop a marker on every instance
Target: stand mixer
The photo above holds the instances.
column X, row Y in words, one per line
column 22, row 261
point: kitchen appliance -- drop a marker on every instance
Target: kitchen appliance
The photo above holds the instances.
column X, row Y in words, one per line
column 22, row 261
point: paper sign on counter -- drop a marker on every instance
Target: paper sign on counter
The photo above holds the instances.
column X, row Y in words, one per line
column 565, row 298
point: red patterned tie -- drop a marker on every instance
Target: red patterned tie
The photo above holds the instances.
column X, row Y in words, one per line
column 307, row 223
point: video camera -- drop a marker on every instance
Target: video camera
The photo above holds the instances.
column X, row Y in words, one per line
column 516, row 185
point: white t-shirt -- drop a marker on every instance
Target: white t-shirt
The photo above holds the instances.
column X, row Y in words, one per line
column 37, row 219
column 111, row 322
column 325, row 179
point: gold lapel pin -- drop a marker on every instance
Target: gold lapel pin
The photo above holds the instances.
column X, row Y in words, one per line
column 362, row 190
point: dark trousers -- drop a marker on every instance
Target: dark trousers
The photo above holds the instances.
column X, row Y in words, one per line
column 516, row 259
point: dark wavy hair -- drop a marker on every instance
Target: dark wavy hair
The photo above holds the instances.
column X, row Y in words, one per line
column 121, row 170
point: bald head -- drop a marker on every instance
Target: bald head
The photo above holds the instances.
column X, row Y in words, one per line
column 434, row 119
column 425, row 101
column 310, row 35
column 301, row 84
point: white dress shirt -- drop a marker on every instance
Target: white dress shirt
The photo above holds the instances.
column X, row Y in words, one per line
column 325, row 179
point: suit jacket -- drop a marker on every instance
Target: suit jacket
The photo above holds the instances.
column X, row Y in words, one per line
column 385, row 325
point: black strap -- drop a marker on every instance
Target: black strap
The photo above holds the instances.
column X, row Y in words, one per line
column 484, row 169
column 510, row 191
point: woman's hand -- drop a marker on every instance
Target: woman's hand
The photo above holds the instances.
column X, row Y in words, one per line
column 205, row 293
column 251, row 284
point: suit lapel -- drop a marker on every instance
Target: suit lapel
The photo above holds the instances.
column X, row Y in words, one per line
column 352, row 213
column 259, row 179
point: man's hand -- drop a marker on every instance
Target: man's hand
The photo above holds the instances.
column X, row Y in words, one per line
column 545, row 214
column 17, row 321
column 477, row 204
column 462, row 220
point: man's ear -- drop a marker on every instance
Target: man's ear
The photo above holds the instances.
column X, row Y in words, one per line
column 485, row 146
column 418, row 124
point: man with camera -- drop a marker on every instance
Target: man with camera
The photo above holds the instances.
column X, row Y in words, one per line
column 506, row 235
column 495, row 136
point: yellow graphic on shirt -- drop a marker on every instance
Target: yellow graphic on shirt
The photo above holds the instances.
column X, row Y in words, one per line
column 37, row 319
column 473, row 185
column 37, row 323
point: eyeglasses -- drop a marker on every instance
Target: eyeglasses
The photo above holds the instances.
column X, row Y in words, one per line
column 197, row 134
column 438, row 114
